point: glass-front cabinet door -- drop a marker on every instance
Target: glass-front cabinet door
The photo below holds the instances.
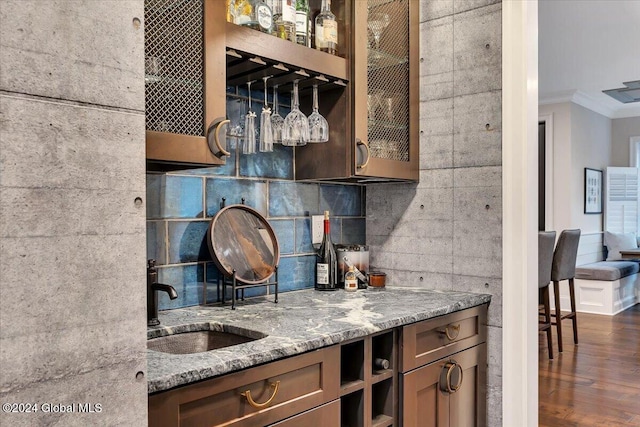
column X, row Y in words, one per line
column 185, row 82
column 386, row 89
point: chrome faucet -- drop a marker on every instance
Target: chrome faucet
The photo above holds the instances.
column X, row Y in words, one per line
column 152, row 293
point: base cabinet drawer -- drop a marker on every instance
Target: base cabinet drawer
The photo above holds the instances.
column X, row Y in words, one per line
column 255, row 397
column 430, row 340
column 448, row 393
column 327, row 415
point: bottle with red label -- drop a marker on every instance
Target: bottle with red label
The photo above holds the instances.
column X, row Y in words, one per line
column 326, row 261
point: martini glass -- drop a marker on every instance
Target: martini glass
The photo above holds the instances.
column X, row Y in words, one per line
column 377, row 23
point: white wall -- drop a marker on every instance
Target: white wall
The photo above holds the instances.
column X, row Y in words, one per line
column 561, row 152
column 590, row 148
column 621, row 131
column 581, row 138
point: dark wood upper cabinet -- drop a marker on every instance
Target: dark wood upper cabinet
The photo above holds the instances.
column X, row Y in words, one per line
column 368, row 91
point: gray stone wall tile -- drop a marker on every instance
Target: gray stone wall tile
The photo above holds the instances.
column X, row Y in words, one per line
column 436, row 151
column 418, row 279
column 431, row 205
column 477, row 50
column 61, row 281
column 460, row 6
column 84, row 51
column 115, row 387
column 477, row 129
column 481, row 204
column 486, row 285
column 41, row 212
column 494, row 357
column 494, row 405
column 436, row 47
column 477, row 249
column 438, row 178
column 485, row 176
column 72, row 169
column 434, row 9
column 436, row 134
column 60, row 145
column 436, row 86
column 436, row 117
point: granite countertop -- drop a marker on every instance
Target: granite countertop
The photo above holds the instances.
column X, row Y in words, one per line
column 301, row 321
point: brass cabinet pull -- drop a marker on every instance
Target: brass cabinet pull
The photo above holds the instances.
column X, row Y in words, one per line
column 456, row 330
column 218, row 123
column 450, row 366
column 366, row 146
column 247, row 394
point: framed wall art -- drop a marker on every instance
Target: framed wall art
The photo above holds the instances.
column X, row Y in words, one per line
column 592, row 191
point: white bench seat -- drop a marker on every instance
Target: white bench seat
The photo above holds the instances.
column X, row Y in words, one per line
column 605, row 287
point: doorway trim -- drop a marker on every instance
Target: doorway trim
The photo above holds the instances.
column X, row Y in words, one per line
column 634, row 143
column 548, row 169
column 520, row 213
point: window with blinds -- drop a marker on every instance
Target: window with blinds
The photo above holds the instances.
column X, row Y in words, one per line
column 622, row 205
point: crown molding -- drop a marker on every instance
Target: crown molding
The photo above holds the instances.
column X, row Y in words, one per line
column 590, row 103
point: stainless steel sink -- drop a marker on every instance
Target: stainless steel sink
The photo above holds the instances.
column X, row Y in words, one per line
column 200, row 341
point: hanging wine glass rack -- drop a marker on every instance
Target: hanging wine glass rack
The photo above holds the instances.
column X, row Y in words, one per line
column 243, row 67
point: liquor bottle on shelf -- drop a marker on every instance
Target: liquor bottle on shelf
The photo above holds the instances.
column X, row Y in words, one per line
column 254, row 14
column 326, row 261
column 326, row 29
column 284, row 19
column 302, row 22
column 350, row 280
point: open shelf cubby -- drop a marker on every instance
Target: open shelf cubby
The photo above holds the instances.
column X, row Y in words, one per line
column 382, row 403
column 382, row 350
column 351, row 409
column 352, row 366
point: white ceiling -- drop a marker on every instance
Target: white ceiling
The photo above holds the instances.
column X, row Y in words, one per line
column 585, row 47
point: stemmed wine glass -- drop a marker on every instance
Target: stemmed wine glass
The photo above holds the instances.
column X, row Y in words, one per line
column 249, row 146
column 266, row 133
column 318, row 126
column 377, row 22
column 295, row 131
column 277, row 121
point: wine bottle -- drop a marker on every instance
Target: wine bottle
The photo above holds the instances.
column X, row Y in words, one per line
column 380, row 364
column 326, row 29
column 326, row 261
column 302, row 22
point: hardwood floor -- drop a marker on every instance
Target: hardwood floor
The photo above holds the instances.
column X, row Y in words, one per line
column 595, row 383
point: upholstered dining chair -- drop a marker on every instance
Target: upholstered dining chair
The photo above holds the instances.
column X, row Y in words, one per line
column 546, row 242
column 564, row 268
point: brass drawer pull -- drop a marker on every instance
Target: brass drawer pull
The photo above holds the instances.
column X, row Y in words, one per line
column 448, row 387
column 456, row 330
column 247, row 394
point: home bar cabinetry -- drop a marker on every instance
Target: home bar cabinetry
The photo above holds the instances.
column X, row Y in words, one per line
column 443, row 378
column 429, row 373
column 368, row 91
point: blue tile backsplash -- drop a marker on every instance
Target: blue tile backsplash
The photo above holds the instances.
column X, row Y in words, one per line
column 180, row 206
